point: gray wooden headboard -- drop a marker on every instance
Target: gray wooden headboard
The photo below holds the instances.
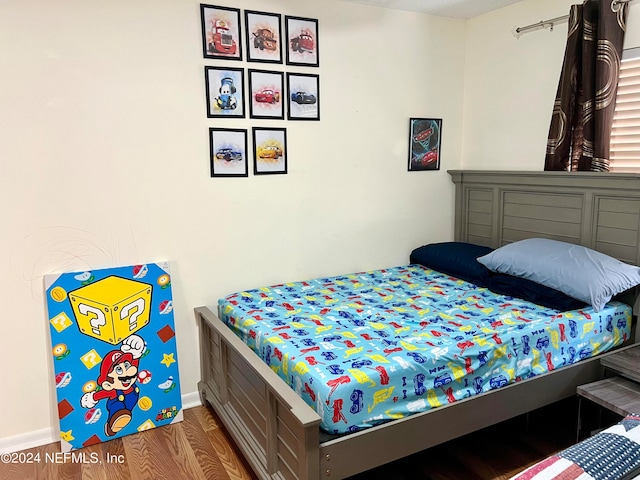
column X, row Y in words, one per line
column 598, row 210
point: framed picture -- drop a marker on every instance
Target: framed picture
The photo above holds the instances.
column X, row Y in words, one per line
column 221, row 32
column 424, row 143
column 303, row 96
column 267, row 94
column 225, row 92
column 228, row 147
column 302, row 41
column 269, row 150
column 264, row 36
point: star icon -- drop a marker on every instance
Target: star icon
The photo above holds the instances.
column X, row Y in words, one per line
column 167, row 359
column 66, row 436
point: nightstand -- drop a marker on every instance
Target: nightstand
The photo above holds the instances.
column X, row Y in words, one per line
column 625, row 363
column 619, row 394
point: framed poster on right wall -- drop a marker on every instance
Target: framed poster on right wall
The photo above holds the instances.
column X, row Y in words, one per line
column 266, row 98
column 303, row 95
column 424, row 143
column 269, row 150
column 221, row 35
column 264, row 37
column 224, row 91
column 228, row 152
column 302, row 41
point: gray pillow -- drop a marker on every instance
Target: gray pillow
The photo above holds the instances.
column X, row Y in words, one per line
column 577, row 271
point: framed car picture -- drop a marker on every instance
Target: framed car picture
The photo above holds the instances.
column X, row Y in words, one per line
column 221, row 32
column 264, row 37
column 228, row 152
column 302, row 41
column 267, row 95
column 225, row 92
column 424, row 143
column 269, row 150
column 303, row 96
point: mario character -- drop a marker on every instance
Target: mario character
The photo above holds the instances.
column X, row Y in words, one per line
column 118, row 375
column 226, row 100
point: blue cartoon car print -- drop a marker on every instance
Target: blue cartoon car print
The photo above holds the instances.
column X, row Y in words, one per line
column 303, row 97
column 543, row 342
column 228, row 154
column 418, row 384
column 418, row 358
column 442, row 380
column 361, row 363
column 357, row 402
column 498, row 381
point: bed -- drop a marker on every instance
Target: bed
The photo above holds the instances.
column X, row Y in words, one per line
column 279, row 432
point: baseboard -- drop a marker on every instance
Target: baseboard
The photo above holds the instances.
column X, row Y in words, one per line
column 190, row 400
column 44, row 436
column 27, row 440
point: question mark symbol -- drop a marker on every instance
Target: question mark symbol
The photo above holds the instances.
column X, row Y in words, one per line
column 90, row 359
column 139, row 305
column 98, row 320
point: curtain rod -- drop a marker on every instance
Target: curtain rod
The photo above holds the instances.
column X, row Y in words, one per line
column 552, row 21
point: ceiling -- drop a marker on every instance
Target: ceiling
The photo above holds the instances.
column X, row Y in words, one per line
column 443, row 8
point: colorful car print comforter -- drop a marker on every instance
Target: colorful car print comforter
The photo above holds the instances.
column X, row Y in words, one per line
column 370, row 347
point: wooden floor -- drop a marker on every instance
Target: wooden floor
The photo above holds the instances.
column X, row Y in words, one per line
column 200, row 448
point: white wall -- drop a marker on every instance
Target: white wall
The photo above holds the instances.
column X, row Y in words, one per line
column 510, row 83
column 104, row 153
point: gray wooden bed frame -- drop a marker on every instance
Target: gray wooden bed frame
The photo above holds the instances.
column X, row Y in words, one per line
column 279, row 434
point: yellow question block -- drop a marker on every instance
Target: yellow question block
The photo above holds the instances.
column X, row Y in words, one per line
column 111, row 309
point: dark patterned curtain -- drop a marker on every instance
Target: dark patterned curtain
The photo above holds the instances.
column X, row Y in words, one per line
column 585, row 101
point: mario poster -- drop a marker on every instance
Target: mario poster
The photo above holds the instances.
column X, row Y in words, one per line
column 114, row 352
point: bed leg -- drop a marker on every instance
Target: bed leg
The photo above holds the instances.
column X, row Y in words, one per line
column 202, row 394
column 579, row 423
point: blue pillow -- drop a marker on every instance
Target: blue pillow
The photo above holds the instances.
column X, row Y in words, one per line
column 577, row 271
column 457, row 259
column 534, row 292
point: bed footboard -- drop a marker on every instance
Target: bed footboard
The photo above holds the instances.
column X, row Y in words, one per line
column 279, row 434
column 276, row 431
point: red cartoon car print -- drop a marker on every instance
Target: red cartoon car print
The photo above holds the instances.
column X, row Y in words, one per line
column 429, row 157
column 303, row 42
column 220, row 39
column 267, row 96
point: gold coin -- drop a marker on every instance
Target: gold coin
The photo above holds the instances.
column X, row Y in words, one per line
column 59, row 294
column 145, row 403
